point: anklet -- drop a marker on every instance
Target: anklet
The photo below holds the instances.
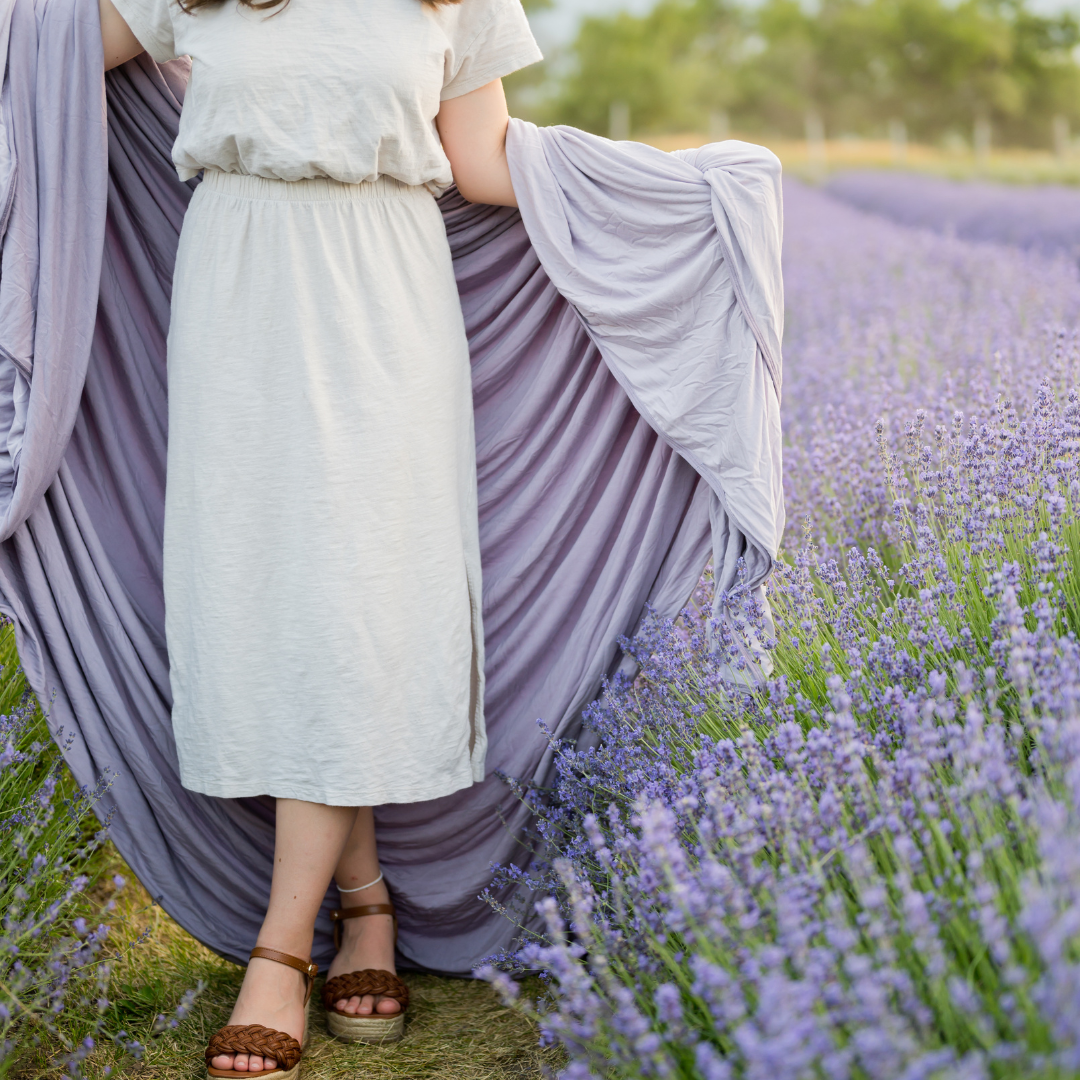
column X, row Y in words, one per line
column 361, row 888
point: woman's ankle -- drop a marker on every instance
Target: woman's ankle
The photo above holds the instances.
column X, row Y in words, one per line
column 373, row 894
column 286, row 939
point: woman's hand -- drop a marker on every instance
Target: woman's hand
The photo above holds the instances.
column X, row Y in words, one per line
column 473, row 132
column 119, row 42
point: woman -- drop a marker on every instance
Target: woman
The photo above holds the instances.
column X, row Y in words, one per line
column 322, row 574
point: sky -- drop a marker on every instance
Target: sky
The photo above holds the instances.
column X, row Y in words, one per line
column 558, row 24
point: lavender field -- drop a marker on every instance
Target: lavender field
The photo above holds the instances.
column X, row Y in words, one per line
column 868, row 866
column 1045, row 218
column 865, row 867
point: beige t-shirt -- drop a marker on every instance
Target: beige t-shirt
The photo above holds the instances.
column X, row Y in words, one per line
column 342, row 88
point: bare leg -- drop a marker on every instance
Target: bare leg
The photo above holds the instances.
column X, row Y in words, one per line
column 307, row 845
column 367, row 942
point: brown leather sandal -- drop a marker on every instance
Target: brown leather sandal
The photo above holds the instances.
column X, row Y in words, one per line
column 372, row 1027
column 256, row 1039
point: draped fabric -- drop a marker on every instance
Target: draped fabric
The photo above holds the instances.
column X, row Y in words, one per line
column 624, row 332
column 673, row 263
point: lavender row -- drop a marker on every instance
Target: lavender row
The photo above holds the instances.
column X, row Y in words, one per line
column 1044, row 219
column 884, row 320
column 864, row 864
column 55, row 964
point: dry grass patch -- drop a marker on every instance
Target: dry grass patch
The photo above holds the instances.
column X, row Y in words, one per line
column 1005, row 164
column 455, row 1029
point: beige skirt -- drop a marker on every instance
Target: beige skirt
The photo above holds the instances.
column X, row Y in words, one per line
column 322, row 566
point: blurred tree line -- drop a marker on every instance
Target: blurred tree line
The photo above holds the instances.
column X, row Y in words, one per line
column 926, row 69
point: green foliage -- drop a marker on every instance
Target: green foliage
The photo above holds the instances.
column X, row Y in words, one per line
column 55, row 966
column 671, row 66
column 48, row 835
column 935, row 65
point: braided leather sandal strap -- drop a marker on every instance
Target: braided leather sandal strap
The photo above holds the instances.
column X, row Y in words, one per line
column 372, row 981
column 305, row 967
column 339, row 914
column 255, row 1039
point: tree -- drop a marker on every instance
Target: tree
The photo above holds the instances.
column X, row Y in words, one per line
column 671, row 67
column 935, row 64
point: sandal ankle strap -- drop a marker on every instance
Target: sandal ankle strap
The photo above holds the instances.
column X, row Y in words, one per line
column 305, row 967
column 363, row 909
column 340, row 914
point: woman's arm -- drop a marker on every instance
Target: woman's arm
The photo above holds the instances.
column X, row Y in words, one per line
column 119, row 42
column 473, row 132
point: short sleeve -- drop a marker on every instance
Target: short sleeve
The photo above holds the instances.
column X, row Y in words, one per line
column 151, row 22
column 491, row 39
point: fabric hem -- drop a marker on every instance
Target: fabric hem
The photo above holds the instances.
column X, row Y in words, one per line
column 377, row 798
column 505, row 66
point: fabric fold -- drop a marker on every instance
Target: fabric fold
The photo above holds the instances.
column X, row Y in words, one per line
column 673, row 263
column 48, row 286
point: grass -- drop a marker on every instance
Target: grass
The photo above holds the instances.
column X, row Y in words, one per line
column 455, row 1029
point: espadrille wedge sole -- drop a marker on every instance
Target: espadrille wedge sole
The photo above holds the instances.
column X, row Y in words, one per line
column 371, row 1027
column 365, row 1029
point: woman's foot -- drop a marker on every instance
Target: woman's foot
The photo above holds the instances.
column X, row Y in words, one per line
column 272, row 995
column 366, row 942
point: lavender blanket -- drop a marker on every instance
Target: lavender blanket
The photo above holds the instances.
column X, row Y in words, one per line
column 624, row 330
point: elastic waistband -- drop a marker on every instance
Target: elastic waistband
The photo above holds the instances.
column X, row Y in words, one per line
column 314, row 189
